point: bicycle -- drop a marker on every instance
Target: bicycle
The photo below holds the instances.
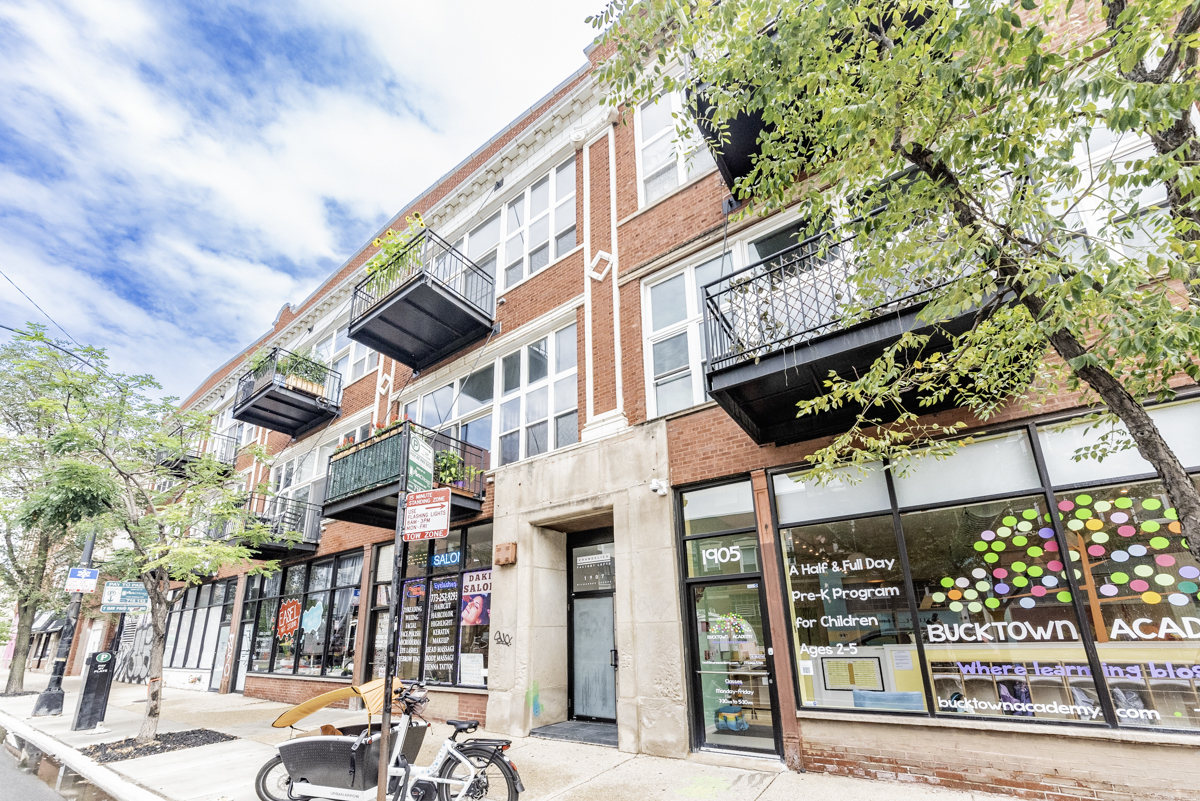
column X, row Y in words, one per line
column 345, row 767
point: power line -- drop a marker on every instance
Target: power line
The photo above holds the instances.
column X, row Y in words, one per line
column 39, row 308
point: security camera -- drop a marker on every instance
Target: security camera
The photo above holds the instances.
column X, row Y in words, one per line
column 658, row 486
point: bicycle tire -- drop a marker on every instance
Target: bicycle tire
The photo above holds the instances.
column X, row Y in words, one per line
column 494, row 766
column 265, row 782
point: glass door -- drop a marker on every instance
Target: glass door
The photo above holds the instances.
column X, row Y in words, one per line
column 591, row 641
column 733, row 675
column 218, row 668
column 241, row 659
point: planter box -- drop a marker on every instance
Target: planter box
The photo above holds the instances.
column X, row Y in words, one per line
column 303, row 385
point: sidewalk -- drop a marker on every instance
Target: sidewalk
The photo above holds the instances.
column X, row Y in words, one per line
column 549, row 769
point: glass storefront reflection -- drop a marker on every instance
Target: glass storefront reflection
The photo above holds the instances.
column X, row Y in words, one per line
column 851, row 619
column 734, row 679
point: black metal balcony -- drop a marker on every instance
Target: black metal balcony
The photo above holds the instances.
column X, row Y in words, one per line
column 288, row 392
column 429, row 302
column 734, row 148
column 283, row 517
column 364, row 480
column 187, row 448
column 775, row 330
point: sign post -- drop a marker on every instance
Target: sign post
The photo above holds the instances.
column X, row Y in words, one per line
column 93, row 696
column 50, row 701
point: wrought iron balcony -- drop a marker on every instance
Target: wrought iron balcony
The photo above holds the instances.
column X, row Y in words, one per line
column 283, row 516
column 775, row 329
column 288, row 392
column 365, row 479
column 429, row 302
column 187, row 448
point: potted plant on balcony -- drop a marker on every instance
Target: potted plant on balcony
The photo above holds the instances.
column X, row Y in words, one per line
column 449, row 469
column 397, row 259
column 303, row 374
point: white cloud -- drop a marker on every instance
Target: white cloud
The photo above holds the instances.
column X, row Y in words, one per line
column 167, row 171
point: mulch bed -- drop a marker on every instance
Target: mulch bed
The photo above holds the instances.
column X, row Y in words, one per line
column 14, row 695
column 171, row 741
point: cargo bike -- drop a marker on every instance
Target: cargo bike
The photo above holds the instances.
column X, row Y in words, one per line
column 345, row 765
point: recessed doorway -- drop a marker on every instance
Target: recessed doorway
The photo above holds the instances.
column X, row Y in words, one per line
column 591, row 628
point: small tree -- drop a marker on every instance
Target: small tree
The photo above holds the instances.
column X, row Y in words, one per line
column 33, row 559
column 951, row 143
column 177, row 513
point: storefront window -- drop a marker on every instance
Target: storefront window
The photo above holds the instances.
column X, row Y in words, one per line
column 1000, row 631
column 851, row 619
column 306, row 617
column 445, row 609
column 1141, row 587
column 987, row 598
column 707, row 511
column 194, row 623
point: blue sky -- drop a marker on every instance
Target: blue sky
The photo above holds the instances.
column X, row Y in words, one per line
column 172, row 173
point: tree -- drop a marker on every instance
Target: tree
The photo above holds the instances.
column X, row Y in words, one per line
column 176, row 512
column 952, row 145
column 33, row 560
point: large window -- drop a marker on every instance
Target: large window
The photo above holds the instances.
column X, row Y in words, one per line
column 531, row 230
column 1010, row 580
column 306, row 617
column 445, row 608
column 193, row 626
column 674, row 316
column 663, row 163
column 520, row 405
column 352, row 359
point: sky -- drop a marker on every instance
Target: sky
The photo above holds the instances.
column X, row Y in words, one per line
column 173, row 173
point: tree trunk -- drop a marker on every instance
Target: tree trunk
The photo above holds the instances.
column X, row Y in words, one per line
column 1180, row 489
column 26, row 613
column 156, row 584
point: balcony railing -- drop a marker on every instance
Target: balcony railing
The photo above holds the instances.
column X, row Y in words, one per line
column 287, row 392
column 428, row 302
column 795, row 297
column 293, row 371
column 283, row 515
column 186, row 447
column 382, row 461
column 433, row 257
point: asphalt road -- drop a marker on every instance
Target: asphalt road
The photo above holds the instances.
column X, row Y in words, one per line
column 16, row 784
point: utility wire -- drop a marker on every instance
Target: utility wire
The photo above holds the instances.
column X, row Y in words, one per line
column 39, row 308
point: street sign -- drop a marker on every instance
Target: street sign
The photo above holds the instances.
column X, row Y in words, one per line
column 427, row 515
column 93, row 698
column 420, row 464
column 128, row 597
column 82, row 579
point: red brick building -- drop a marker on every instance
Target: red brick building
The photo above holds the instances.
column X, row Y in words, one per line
column 634, row 541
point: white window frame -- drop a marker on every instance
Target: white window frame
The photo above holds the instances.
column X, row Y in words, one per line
column 739, row 254
column 561, row 215
column 452, row 425
column 692, row 158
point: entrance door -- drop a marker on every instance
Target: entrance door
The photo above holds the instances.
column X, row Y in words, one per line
column 733, row 676
column 241, row 659
column 591, row 637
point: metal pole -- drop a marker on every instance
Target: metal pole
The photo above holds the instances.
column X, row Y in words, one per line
column 389, row 671
column 50, row 702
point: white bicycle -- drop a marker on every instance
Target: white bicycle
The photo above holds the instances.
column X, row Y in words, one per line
column 346, row 767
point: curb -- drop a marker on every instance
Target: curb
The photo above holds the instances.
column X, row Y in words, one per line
column 104, row 778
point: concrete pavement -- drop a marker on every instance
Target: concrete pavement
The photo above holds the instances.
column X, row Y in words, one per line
column 550, row 769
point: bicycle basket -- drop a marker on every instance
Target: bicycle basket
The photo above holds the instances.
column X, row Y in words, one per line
column 330, row 762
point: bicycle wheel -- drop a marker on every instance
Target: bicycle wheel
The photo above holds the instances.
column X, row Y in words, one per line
column 494, row 780
column 273, row 781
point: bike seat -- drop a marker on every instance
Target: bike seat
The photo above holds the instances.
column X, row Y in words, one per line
column 464, row 725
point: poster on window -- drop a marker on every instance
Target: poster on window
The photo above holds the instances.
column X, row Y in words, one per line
column 443, row 614
column 477, row 598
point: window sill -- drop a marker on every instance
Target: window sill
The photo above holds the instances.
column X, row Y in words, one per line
column 290, row 677
column 699, row 407
column 549, row 266
column 445, row 688
column 682, row 187
column 989, row 726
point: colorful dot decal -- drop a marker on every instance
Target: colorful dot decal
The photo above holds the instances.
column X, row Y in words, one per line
column 1109, row 590
column 1123, row 503
column 1000, row 573
column 1151, row 597
column 1102, row 506
column 1163, row 580
column 1127, row 531
column 1046, row 533
column 1150, row 527
column 1152, row 504
column 1029, row 514
column 1120, row 556
column 1119, row 578
column 1119, row 517
column 1164, row 560
column 1144, row 571
column 1137, row 550
column 1034, row 552
column 1158, row 543
column 1188, row 587
column 1038, row 591
column 991, row 558
column 1064, row 597
column 1099, row 538
column 1020, row 581
column 1178, row 599
column 1189, row 572
column 1137, row 585
column 1028, row 603
column 1096, row 550
column 1002, row 589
